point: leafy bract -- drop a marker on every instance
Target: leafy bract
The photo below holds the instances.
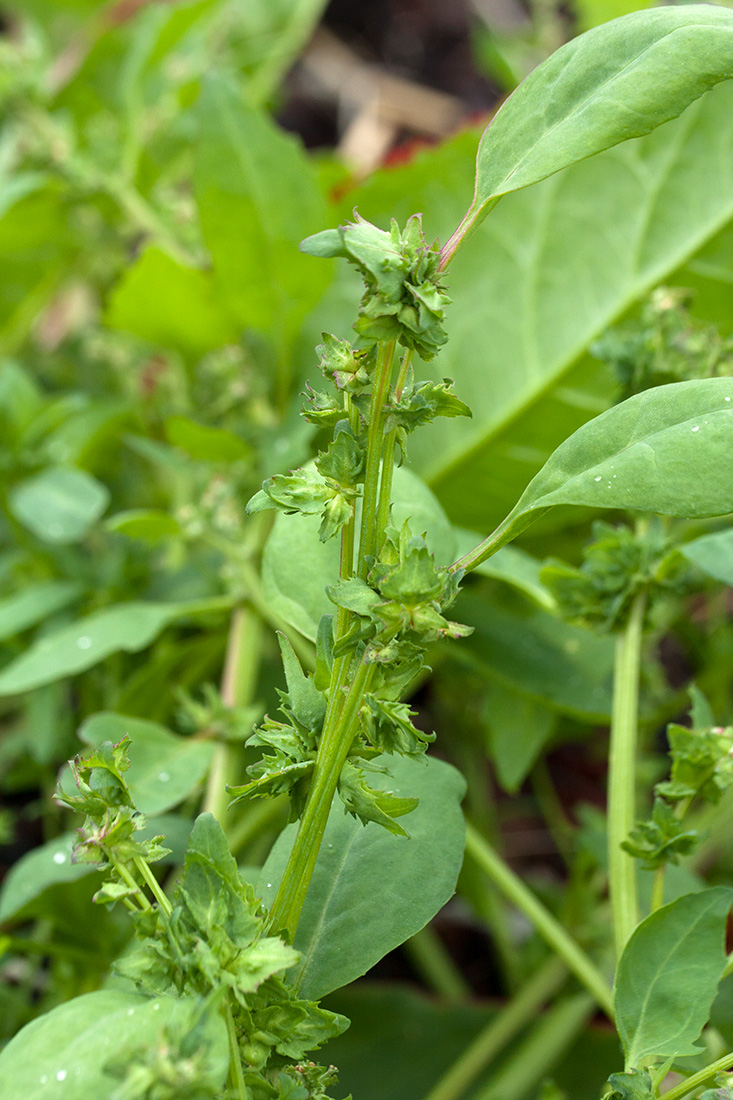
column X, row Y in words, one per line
column 60, row 504
column 297, row 567
column 164, row 768
column 668, row 976
column 372, row 890
column 665, row 450
column 618, row 81
column 69, row 1050
column 71, row 649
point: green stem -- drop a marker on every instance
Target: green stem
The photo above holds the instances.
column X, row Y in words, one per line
column 700, row 1078
column 622, row 777
column 238, row 686
column 332, row 753
column 371, row 535
column 499, row 1032
column 236, row 1076
column 124, row 874
column 542, row 1049
column 390, row 440
column 155, row 888
column 657, row 900
column 435, row 966
column 548, row 927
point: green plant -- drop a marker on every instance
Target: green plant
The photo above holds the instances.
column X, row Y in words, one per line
column 232, row 972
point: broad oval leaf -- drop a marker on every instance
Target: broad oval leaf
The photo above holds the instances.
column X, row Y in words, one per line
column 297, row 566
column 60, row 504
column 618, row 81
column 65, row 1052
column 164, row 769
column 47, row 865
column 668, row 976
column 74, row 648
column 372, row 890
column 666, row 450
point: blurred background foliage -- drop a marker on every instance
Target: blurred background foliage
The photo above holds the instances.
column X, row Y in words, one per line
column 159, row 162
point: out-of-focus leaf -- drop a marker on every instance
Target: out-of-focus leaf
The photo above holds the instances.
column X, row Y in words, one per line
column 47, row 865
column 713, row 554
column 35, row 602
column 371, row 890
column 164, row 768
column 60, row 504
column 297, row 566
column 204, row 443
column 257, row 196
column 77, row 647
column 170, row 305
column 148, row 525
column 518, row 729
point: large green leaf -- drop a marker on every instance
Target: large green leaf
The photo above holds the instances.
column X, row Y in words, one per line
column 38, row 869
column 65, row 1052
column 257, row 196
column 81, row 645
column 170, row 305
column 666, row 450
column 618, row 81
column 164, row 769
column 548, row 271
column 372, row 890
column 297, row 567
column 713, row 554
column 668, row 976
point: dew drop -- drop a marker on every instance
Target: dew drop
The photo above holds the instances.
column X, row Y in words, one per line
column 597, row 478
column 59, row 857
column 84, row 642
column 163, row 777
column 61, row 1075
column 44, row 1079
column 131, row 1012
column 156, row 1007
column 269, row 885
column 727, row 398
column 696, row 428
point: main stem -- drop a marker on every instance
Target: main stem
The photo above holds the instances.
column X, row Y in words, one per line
column 622, row 777
column 372, row 532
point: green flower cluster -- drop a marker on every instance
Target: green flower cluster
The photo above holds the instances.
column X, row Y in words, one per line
column 404, row 299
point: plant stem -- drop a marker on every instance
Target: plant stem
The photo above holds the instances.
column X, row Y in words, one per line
column 238, row 685
column 371, row 535
column 430, row 958
column 621, row 775
column 548, row 927
column 657, row 900
column 496, row 1035
column 332, row 753
column 235, row 1062
column 124, row 874
column 148, row 876
column 390, row 440
column 697, row 1079
column 544, row 1046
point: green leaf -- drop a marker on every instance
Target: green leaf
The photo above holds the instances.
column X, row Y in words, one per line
column 519, row 728
column 665, row 450
column 47, row 865
column 34, row 603
column 257, row 197
column 713, row 554
column 297, row 566
column 668, row 976
column 615, row 82
column 59, row 505
column 537, row 283
column 170, row 305
column 81, row 645
column 370, row 890
column 149, row 525
column 65, row 1052
column 563, row 667
column 164, row 769
column 204, row 443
